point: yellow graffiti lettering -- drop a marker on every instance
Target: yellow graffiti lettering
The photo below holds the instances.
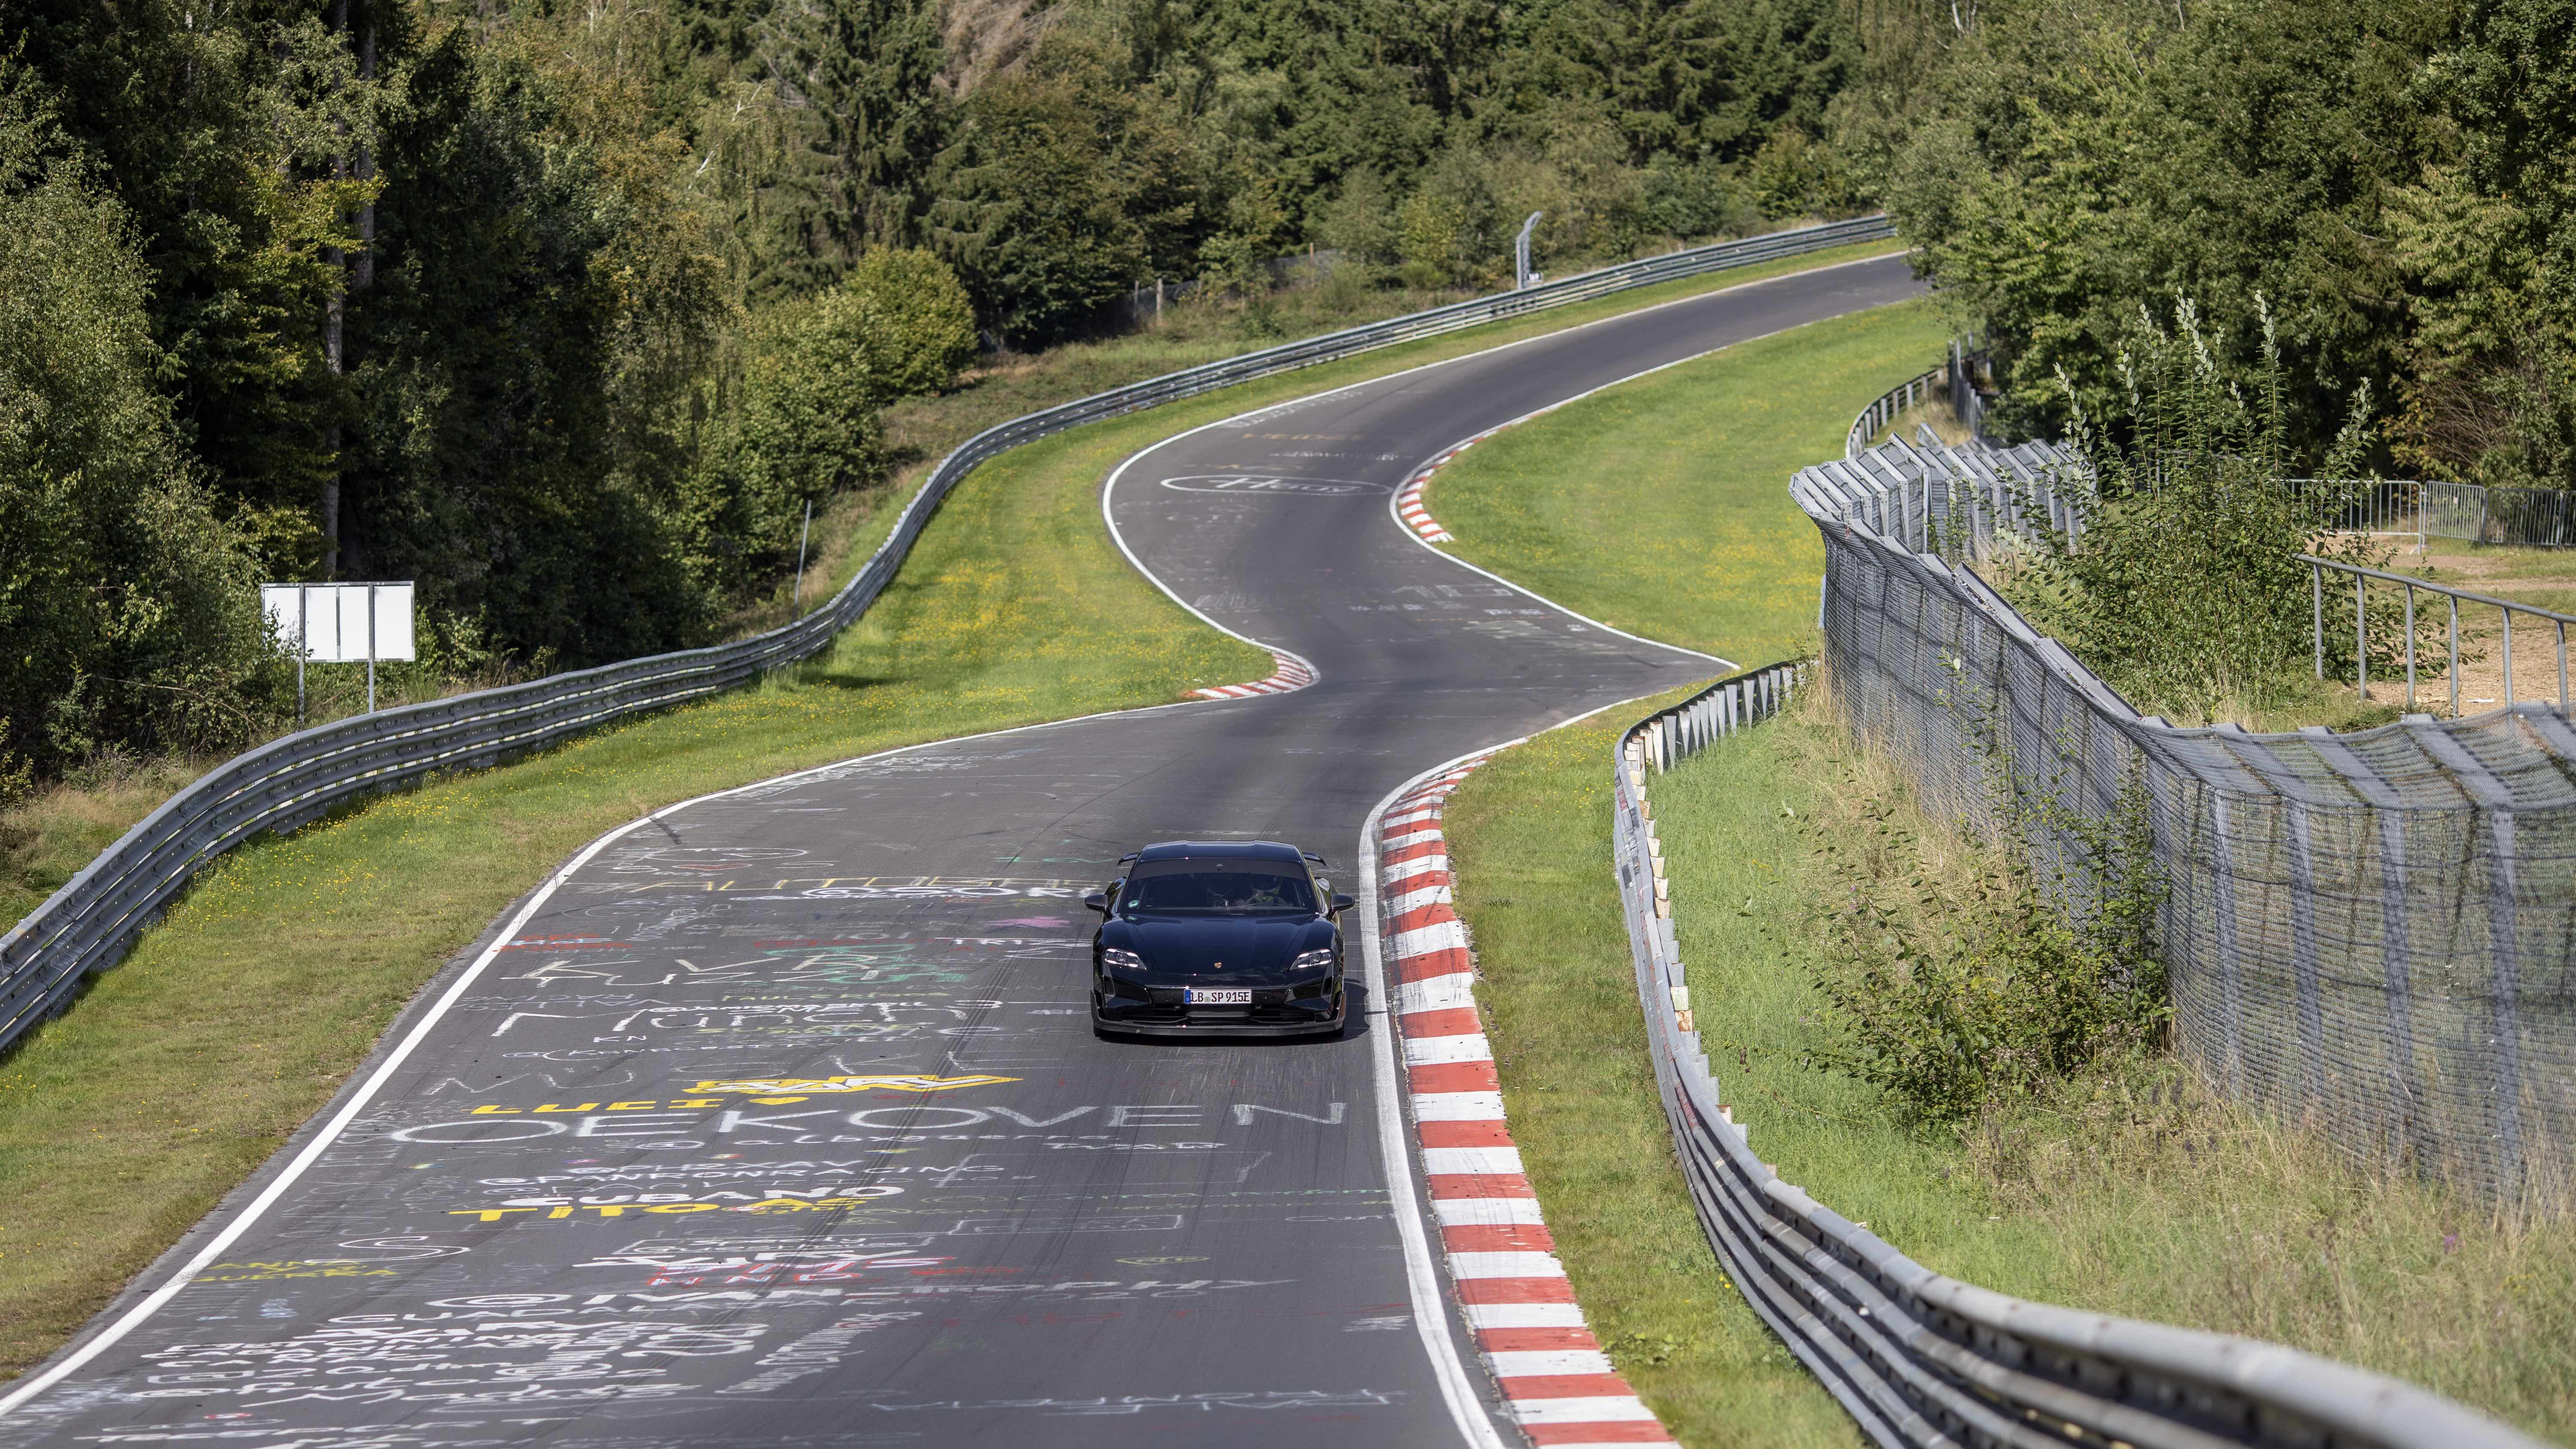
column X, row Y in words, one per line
column 489, row 1215
column 495, row 1111
column 558, row 1107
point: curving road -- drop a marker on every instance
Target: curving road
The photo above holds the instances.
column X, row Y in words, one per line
column 777, row 1119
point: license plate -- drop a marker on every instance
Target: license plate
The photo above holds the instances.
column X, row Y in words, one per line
column 1199, row 997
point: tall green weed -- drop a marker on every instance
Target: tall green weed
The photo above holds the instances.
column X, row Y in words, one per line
column 2174, row 571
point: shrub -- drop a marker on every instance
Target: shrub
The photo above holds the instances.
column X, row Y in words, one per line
column 800, row 427
column 129, row 611
column 2178, row 577
column 905, row 318
column 1950, row 998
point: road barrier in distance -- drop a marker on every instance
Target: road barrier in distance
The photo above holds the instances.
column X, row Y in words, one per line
column 92, row 920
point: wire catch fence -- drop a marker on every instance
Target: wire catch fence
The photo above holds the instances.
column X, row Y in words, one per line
column 2373, row 931
column 1919, row 1360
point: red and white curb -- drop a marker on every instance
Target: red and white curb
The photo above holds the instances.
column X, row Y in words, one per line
column 1408, row 499
column 1556, row 1383
column 1408, row 502
column 1292, row 673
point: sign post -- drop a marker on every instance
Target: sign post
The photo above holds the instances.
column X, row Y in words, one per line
column 801, row 535
column 340, row 624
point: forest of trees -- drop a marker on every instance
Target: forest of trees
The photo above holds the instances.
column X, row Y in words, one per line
column 567, row 311
column 2390, row 179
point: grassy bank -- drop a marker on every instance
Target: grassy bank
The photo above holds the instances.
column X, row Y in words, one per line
column 1662, row 506
column 2131, row 1190
column 46, row 838
column 122, row 1122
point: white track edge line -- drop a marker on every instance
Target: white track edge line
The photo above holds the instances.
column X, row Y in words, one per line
column 1110, row 485
column 108, row 1337
column 43, row 1379
column 1451, row 450
column 1421, row 1275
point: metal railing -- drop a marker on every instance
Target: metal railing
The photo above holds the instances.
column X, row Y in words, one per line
column 2533, row 517
column 1922, row 1360
column 89, row 923
column 1954, row 382
column 2453, row 598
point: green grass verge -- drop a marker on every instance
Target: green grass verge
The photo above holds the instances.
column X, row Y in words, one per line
column 1662, row 506
column 125, row 1120
column 1529, row 838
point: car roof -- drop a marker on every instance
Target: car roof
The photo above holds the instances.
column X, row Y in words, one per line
column 1238, row 849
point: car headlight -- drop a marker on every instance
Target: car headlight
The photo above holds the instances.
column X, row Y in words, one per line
column 1312, row 960
column 1117, row 960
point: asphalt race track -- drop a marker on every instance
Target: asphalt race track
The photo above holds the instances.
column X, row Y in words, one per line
column 777, row 1119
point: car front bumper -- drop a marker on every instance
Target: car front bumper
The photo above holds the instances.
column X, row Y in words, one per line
column 1314, row 1017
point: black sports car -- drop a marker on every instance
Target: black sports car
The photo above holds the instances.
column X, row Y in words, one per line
column 1202, row 938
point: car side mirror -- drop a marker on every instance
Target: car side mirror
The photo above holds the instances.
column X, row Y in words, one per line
column 1096, row 902
column 1342, row 903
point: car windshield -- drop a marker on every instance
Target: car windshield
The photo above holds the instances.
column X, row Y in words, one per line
column 1212, row 886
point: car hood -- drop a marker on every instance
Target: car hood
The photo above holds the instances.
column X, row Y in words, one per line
column 1252, row 947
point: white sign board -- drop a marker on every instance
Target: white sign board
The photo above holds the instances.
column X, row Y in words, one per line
column 341, row 623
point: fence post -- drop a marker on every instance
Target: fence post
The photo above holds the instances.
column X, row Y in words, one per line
column 2317, row 609
column 2361, row 637
column 2229, row 964
column 2410, row 645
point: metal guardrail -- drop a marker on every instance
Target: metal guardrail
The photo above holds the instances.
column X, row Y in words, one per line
column 89, row 923
column 1874, row 419
column 2474, row 512
column 1923, row 1360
